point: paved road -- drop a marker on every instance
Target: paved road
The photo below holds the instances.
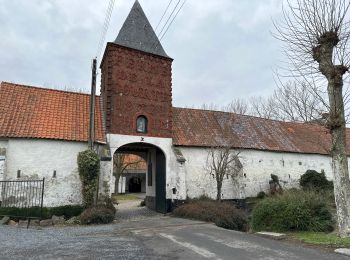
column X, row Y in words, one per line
column 151, row 238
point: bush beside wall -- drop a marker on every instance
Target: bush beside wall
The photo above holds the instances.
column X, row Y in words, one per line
column 99, row 214
column 314, row 180
column 67, row 211
column 293, row 211
column 223, row 214
column 89, row 169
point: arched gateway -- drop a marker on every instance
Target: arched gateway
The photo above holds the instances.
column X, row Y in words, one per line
column 155, row 173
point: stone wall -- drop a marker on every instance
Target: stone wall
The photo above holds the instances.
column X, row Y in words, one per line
column 3, row 148
column 257, row 169
column 37, row 159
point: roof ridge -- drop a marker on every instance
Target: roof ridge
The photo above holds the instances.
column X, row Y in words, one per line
column 250, row 116
column 43, row 88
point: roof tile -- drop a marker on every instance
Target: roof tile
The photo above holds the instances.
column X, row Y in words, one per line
column 203, row 128
column 31, row 112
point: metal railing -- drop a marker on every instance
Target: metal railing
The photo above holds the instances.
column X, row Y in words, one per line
column 25, row 195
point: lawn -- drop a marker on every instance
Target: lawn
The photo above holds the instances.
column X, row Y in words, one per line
column 119, row 197
column 320, row 238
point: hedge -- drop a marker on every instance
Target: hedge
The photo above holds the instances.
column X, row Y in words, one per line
column 67, row 211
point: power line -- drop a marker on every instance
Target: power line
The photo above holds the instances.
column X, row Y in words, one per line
column 161, row 19
column 166, row 23
column 105, row 27
column 172, row 20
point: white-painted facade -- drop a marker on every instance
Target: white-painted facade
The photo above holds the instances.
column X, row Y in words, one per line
column 191, row 180
column 37, row 159
column 257, row 169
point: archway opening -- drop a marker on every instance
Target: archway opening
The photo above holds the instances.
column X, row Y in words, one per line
column 129, row 171
column 144, row 172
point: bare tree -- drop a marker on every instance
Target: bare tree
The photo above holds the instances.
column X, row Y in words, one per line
column 238, row 106
column 263, row 107
column 316, row 35
column 210, row 106
column 291, row 101
column 222, row 163
column 298, row 102
column 120, row 164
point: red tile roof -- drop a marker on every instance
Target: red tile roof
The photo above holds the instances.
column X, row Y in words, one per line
column 192, row 127
column 31, row 112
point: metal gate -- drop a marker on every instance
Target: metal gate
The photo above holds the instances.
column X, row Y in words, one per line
column 22, row 199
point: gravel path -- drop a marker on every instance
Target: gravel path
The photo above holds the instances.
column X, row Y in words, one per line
column 92, row 242
column 130, row 210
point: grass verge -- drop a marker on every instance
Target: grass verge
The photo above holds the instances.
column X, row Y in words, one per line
column 320, row 238
column 119, row 197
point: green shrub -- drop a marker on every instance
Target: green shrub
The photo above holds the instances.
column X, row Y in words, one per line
column 312, row 179
column 204, row 197
column 89, row 168
column 107, row 202
column 261, row 195
column 223, row 214
column 99, row 214
column 68, row 211
column 143, row 203
column 293, row 211
column 25, row 212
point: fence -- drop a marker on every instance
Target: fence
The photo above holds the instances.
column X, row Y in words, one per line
column 22, row 199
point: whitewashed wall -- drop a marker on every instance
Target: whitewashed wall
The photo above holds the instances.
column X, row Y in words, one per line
column 3, row 148
column 257, row 168
column 37, row 158
column 2, row 167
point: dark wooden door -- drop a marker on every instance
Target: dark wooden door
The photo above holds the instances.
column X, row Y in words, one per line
column 160, row 182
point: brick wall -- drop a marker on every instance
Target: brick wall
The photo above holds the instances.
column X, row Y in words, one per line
column 135, row 83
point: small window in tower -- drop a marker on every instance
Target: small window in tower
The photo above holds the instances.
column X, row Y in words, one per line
column 141, row 124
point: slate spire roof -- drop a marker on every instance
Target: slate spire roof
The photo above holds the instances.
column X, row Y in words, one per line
column 137, row 33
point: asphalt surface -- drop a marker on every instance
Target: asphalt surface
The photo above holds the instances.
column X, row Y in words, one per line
column 156, row 237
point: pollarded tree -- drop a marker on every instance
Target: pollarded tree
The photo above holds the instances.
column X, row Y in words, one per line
column 316, row 34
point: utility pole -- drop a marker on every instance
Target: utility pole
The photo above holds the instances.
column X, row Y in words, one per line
column 92, row 106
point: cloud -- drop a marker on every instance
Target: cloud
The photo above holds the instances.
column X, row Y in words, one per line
column 221, row 49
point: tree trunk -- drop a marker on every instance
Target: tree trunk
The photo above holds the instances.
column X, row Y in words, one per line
column 339, row 154
column 116, row 185
column 218, row 187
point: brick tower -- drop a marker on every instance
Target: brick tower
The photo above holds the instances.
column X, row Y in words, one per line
column 136, row 81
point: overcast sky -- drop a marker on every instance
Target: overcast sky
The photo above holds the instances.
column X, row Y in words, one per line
column 222, row 49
